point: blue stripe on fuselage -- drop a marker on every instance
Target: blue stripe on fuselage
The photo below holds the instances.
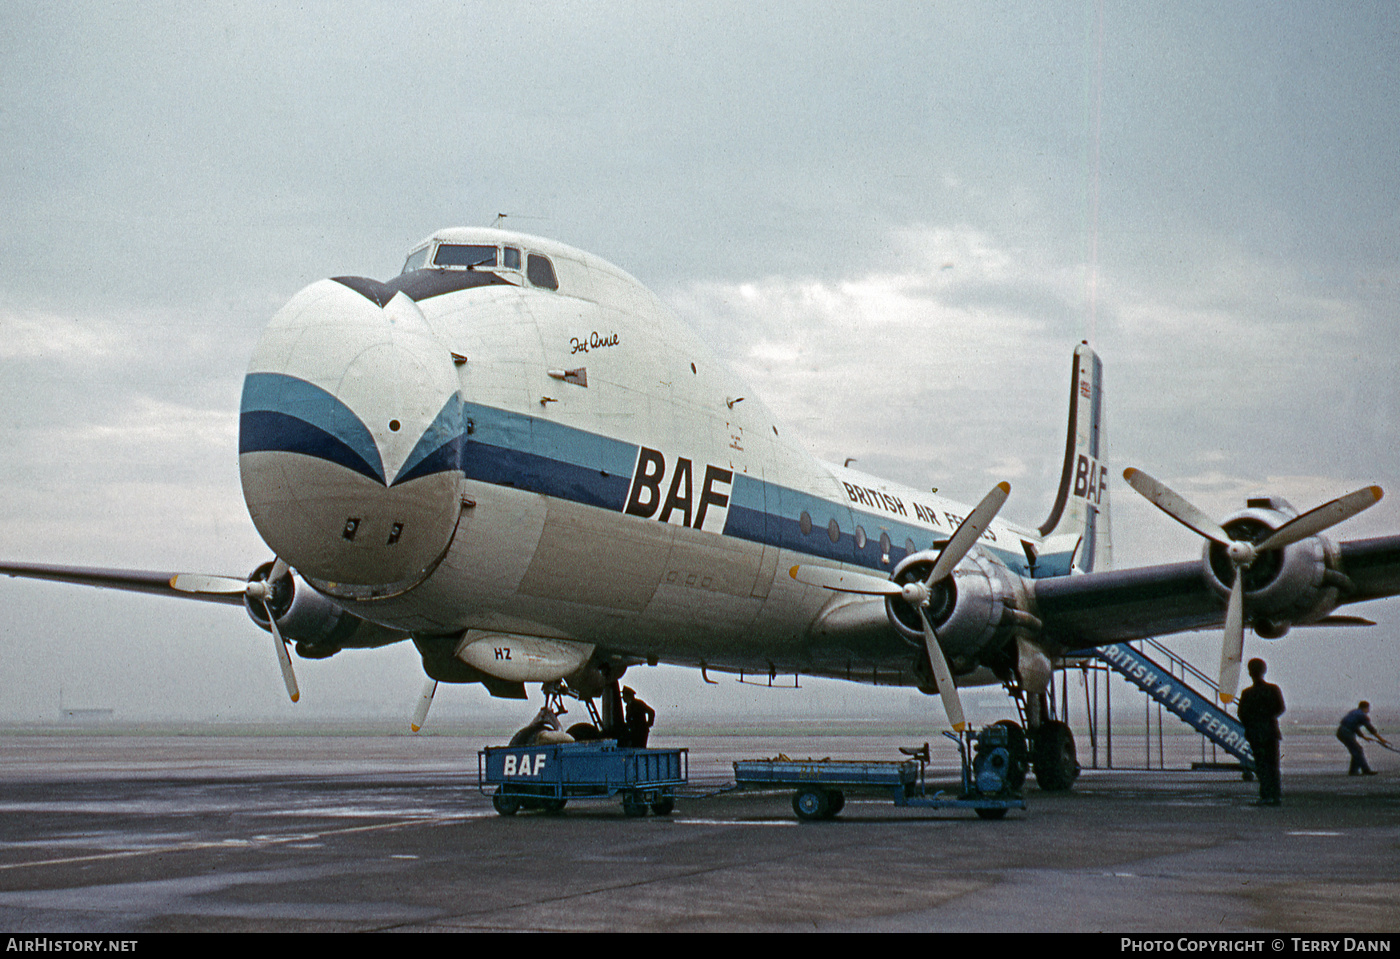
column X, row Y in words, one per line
column 280, row 413
column 509, row 449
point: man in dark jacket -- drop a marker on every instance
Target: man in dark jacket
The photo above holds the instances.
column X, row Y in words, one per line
column 1260, row 707
column 640, row 716
column 1350, row 728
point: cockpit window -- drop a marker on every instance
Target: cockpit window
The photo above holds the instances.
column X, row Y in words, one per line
column 541, row 272
column 456, row 254
column 511, row 259
column 416, row 260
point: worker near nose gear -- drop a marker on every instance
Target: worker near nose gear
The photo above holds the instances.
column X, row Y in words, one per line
column 640, row 717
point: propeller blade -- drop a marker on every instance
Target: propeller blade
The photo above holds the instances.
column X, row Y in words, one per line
column 425, row 699
column 200, row 583
column 1243, row 554
column 284, row 658
column 229, row 585
column 968, row 532
column 1325, row 516
column 258, row 591
column 844, row 582
column 1175, row 506
column 1232, row 650
column 947, row 691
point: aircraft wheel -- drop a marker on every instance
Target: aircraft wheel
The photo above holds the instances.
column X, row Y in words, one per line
column 584, row 732
column 811, row 803
column 1056, row 763
column 991, row 813
column 505, row 805
column 634, row 805
column 664, row 806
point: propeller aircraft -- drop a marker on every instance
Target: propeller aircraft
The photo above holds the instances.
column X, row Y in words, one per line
column 515, row 456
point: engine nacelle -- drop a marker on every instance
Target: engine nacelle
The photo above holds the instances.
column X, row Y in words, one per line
column 975, row 611
column 1299, row 583
column 319, row 626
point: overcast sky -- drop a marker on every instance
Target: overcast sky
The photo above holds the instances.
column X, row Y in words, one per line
column 895, row 220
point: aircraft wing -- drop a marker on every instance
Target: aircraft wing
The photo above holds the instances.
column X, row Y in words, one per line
column 1374, row 566
column 132, row 580
column 1121, row 605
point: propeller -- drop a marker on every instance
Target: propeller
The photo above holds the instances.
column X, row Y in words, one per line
column 1243, row 554
column 425, row 699
column 255, row 591
column 917, row 593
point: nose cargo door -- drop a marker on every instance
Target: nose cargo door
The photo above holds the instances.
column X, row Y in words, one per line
column 350, row 438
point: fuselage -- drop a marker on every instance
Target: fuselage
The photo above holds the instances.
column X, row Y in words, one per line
column 516, row 437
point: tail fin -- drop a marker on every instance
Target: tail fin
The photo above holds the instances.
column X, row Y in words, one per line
column 1079, row 522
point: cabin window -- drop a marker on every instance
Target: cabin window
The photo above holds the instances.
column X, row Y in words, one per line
column 833, row 530
column 541, row 272
column 416, row 260
column 909, row 547
column 860, row 537
column 806, row 523
column 462, row 254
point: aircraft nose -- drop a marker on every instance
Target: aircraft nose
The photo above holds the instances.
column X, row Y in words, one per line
column 350, row 436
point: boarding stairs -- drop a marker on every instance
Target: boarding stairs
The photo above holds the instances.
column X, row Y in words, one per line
column 1162, row 684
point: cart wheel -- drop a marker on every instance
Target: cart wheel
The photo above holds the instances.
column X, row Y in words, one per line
column 634, row 805
column 811, row 803
column 505, row 805
column 991, row 813
column 1020, row 753
column 836, row 801
column 664, row 806
column 554, row 806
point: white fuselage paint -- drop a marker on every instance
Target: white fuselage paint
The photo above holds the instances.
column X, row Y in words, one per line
column 706, row 492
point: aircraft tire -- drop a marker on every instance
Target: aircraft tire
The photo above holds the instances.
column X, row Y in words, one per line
column 584, row 732
column 1056, row 763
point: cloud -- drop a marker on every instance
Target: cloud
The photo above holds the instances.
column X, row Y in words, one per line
column 895, row 226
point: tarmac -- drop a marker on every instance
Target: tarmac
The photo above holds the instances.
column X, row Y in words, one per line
column 137, row 831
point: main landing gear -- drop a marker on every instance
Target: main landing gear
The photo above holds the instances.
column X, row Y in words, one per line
column 1054, row 759
column 1050, row 742
column 610, row 724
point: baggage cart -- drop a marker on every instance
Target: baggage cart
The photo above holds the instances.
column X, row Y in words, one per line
column 546, row 777
column 990, row 782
